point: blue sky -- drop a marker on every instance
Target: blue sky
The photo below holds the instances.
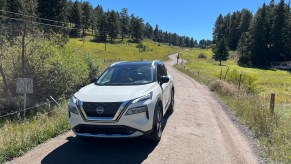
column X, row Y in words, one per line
column 185, row 17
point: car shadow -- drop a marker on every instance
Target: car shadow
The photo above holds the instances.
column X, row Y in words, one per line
column 94, row 150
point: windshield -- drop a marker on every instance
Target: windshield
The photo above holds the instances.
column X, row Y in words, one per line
column 127, row 75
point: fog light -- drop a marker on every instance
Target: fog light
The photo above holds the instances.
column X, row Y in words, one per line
column 137, row 110
column 73, row 109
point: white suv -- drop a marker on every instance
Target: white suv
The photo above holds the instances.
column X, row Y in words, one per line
column 128, row 100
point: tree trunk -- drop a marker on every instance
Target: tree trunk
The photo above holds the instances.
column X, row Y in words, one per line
column 220, row 62
column 23, row 51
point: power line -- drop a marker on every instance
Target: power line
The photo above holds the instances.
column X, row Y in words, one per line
column 71, row 28
column 50, row 20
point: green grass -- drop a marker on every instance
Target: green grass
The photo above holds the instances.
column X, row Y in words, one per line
column 17, row 137
column 123, row 51
column 276, row 81
column 272, row 130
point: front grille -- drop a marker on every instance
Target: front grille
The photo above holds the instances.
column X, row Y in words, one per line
column 110, row 109
column 122, row 130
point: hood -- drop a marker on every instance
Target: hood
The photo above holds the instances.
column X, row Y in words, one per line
column 96, row 93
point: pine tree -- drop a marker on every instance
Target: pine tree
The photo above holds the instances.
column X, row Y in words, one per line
column 103, row 27
column 148, row 31
column 233, row 31
column 76, row 17
column 113, row 25
column 218, row 29
column 13, row 6
column 192, row 43
column 278, row 31
column 220, row 51
column 156, row 34
column 258, row 38
column 87, row 13
column 245, row 21
column 243, row 49
column 2, row 4
column 52, row 9
column 125, row 22
column 137, row 28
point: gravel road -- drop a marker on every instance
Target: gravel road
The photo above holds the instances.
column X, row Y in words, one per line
column 199, row 131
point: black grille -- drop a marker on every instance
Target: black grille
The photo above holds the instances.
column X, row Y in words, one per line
column 109, row 109
column 104, row 130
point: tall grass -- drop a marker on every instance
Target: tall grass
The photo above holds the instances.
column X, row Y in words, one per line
column 272, row 130
column 17, row 137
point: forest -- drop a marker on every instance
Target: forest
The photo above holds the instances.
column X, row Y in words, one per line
column 259, row 39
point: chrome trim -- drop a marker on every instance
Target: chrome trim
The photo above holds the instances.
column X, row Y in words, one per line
column 135, row 134
column 116, row 117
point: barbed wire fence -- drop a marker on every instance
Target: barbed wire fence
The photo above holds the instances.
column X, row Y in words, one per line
column 14, row 30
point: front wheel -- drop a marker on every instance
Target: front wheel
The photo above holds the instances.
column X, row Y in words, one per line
column 156, row 134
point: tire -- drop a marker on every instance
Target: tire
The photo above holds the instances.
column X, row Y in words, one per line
column 171, row 107
column 157, row 130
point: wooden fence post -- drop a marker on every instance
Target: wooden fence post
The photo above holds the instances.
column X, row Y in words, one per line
column 239, row 83
column 272, row 103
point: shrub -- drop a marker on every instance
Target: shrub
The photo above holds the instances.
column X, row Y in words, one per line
column 221, row 87
column 202, row 56
column 56, row 71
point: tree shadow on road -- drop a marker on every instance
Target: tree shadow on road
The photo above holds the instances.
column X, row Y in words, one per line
column 94, row 150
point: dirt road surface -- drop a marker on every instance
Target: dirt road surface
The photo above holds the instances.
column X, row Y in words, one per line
column 199, row 131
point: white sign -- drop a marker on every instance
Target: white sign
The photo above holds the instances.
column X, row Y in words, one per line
column 24, row 85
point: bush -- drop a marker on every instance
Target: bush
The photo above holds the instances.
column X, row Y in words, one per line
column 248, row 81
column 202, row 56
column 223, row 88
column 56, row 71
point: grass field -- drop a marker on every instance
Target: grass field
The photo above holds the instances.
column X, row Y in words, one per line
column 123, row 51
column 276, row 81
column 272, row 130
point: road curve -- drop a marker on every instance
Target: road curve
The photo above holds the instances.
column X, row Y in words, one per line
column 199, row 131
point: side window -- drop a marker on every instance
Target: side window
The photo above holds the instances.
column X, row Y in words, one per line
column 159, row 72
column 164, row 71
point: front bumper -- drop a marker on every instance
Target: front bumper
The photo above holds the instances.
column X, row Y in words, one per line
column 107, row 131
column 126, row 126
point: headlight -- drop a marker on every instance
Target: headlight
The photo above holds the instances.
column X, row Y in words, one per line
column 143, row 98
column 73, row 105
column 137, row 110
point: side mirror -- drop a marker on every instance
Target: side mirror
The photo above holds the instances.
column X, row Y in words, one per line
column 164, row 79
column 94, row 80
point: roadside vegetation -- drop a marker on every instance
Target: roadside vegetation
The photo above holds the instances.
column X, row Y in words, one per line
column 252, row 101
column 18, row 136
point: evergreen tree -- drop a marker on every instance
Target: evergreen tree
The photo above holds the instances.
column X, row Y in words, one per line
column 218, row 29
column 13, row 6
column 137, row 28
column 245, row 21
column 52, row 9
column 76, row 17
column 87, row 14
column 113, row 25
column 243, row 49
column 148, row 31
column 220, row 51
column 192, row 43
column 187, row 41
column 156, row 33
column 125, row 22
column 2, row 4
column 232, row 41
column 258, row 38
column 278, row 31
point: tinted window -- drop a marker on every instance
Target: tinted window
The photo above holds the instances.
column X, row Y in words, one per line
column 126, row 75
